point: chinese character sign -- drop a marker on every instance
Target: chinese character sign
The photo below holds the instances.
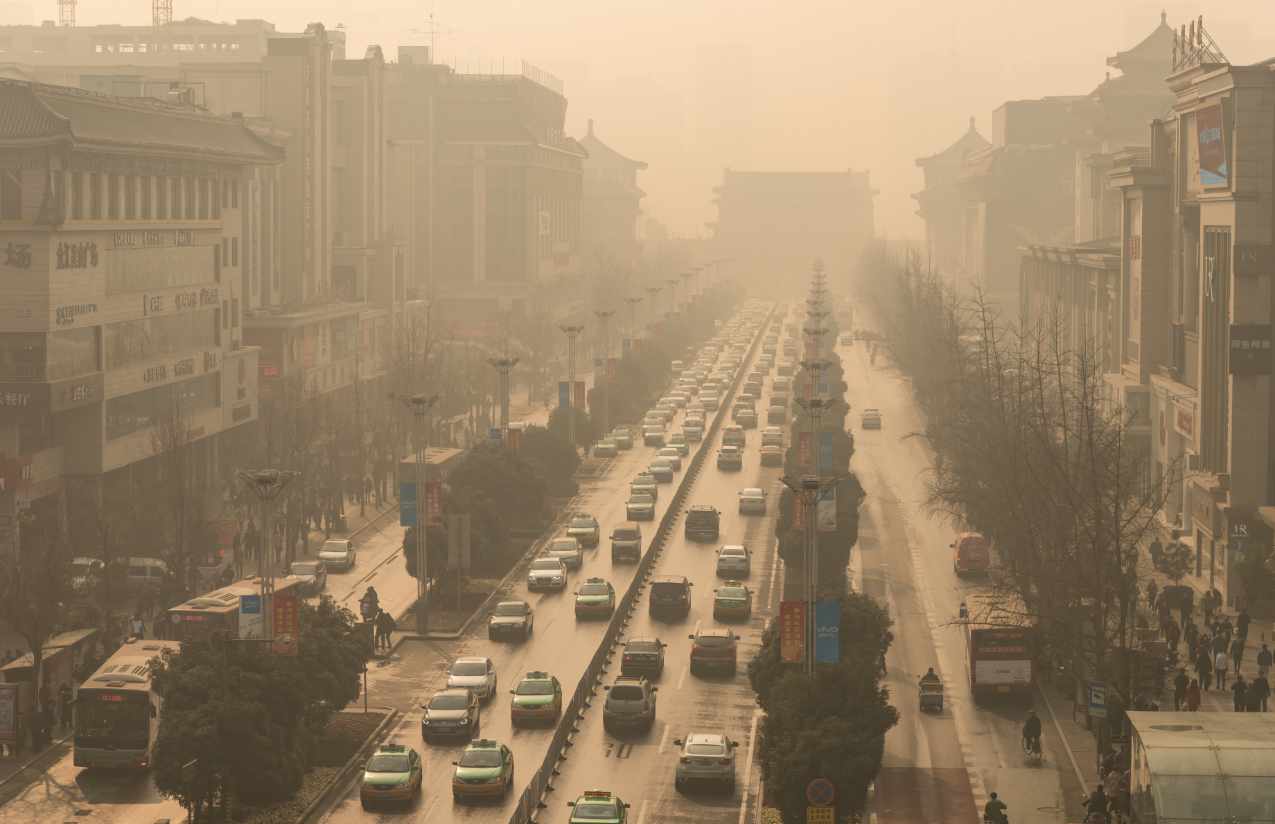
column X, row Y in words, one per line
column 286, row 611
column 826, row 510
column 434, row 503
column 827, row 631
column 805, row 451
column 792, row 631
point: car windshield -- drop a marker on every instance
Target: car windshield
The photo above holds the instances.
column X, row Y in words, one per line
column 641, row 499
column 626, row 692
column 334, row 546
column 752, row 492
column 540, row 687
column 546, row 564
column 667, row 588
column 642, row 646
column 624, row 534
column 449, row 701
column 595, row 811
column 583, row 523
column 469, row 668
column 485, row 757
column 594, row 589
column 712, row 640
column 382, row 763
column 733, row 551
column 512, row 609
column 730, row 450
column 732, row 593
column 305, row 567
column 704, row 749
column 568, row 545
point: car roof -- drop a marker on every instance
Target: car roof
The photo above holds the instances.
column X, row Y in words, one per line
column 465, row 691
column 512, row 604
column 630, row 679
column 715, row 632
column 537, row 675
column 653, row 642
column 706, row 738
column 472, row 659
column 734, row 548
column 671, row 579
column 703, row 508
column 482, row 744
column 752, row 490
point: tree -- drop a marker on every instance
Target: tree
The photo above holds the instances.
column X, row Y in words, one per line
column 552, row 458
column 560, row 426
column 1175, row 561
column 181, row 489
column 832, row 726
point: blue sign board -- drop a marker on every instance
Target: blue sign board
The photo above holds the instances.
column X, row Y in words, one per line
column 407, row 503
column 495, row 435
column 825, row 452
column 564, row 395
column 249, row 604
column 827, row 631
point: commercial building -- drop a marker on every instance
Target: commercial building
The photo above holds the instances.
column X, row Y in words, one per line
column 941, row 203
column 121, row 225
column 612, row 203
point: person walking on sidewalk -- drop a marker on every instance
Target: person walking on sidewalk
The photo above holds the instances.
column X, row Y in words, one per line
column 1221, row 663
column 1241, row 623
column 1259, row 691
column 1264, row 660
column 1239, row 695
column 1204, row 668
column 385, row 626
column 65, row 699
column 1179, row 689
column 1192, row 635
column 1237, row 653
column 1153, row 589
column 1172, row 634
column 1193, row 696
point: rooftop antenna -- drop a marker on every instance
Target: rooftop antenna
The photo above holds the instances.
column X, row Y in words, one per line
column 433, row 30
column 66, row 13
column 161, row 12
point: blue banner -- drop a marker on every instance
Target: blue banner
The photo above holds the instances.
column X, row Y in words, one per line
column 407, row 503
column 825, row 453
column 564, row 395
column 495, row 435
column 827, row 631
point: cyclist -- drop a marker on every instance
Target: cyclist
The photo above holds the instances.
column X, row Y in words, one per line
column 1096, row 804
column 965, row 612
column 994, row 811
column 930, row 677
column 1031, row 733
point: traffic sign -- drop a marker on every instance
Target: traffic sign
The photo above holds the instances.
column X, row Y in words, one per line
column 820, row 815
column 1097, row 699
column 820, row 792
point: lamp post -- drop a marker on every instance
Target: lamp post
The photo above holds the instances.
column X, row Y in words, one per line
column 604, row 321
column 503, row 367
column 421, row 405
column 572, row 333
column 809, row 488
column 267, row 484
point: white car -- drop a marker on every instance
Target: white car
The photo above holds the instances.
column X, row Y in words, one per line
column 871, row 419
column 707, row 758
column 337, row 553
column 476, row 674
column 752, row 501
column 546, row 573
column 673, row 455
column 566, row 550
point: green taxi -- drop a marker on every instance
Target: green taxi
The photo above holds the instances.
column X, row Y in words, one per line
column 732, row 601
column 485, row 770
column 393, row 773
column 595, row 599
column 598, row 807
column 536, row 700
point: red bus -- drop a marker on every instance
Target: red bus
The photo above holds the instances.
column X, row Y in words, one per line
column 1001, row 660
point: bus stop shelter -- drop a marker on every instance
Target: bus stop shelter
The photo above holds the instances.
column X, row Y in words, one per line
column 1196, row 767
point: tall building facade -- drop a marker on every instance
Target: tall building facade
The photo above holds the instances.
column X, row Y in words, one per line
column 612, row 204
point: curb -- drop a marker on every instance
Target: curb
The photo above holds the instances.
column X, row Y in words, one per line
column 339, row 781
column 26, row 765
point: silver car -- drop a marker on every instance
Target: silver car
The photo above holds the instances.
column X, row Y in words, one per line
column 707, row 758
column 734, row 561
column 566, row 550
column 673, row 455
column 546, row 573
column 474, row 673
column 640, row 507
column 337, row 553
column 752, row 501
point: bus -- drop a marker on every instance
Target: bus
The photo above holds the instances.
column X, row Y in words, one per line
column 117, row 709
column 1001, row 660
column 218, row 611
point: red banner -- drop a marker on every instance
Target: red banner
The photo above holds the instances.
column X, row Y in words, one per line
column 286, row 623
column 434, row 503
column 580, row 396
column 805, row 452
column 792, row 631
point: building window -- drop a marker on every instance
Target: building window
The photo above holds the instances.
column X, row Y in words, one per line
column 72, row 352
column 234, row 312
column 133, row 341
column 142, row 410
column 130, row 197
column 144, row 209
column 10, row 195
column 161, row 198
column 234, row 251
column 77, row 195
column 191, row 211
column 112, row 197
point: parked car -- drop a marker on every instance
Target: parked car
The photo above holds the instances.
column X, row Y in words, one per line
column 546, row 573
column 626, row 544
column 451, row 713
column 313, row 575
column 643, row 656
column 337, row 553
column 734, row 561
column 475, row 673
column 511, row 619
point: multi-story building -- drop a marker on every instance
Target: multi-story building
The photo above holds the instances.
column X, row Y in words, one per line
column 612, row 202
column 1198, row 256
column 121, row 225
column 941, row 203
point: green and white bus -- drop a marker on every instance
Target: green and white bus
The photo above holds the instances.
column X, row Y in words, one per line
column 117, row 709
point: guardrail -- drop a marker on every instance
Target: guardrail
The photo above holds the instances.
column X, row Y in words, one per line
column 582, row 697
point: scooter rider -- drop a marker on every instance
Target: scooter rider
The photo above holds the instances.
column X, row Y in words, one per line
column 994, row 811
column 370, row 604
column 1031, row 732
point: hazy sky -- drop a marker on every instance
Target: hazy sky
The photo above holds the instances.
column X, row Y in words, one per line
column 693, row 86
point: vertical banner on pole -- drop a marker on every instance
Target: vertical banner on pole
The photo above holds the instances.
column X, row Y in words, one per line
column 805, row 451
column 434, row 503
column 825, row 452
column 792, row 631
column 407, row 503
column 827, row 631
column 799, row 517
column 286, row 613
column 564, row 394
column 581, row 395
column 826, row 510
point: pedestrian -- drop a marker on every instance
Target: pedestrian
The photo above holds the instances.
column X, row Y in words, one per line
column 1206, row 603
column 1192, row 635
column 1242, row 621
column 1238, row 694
column 65, row 698
column 1156, row 550
column 1221, row 663
column 1172, row 634
column 1185, row 606
column 1237, row 653
column 137, row 627
column 385, row 626
column 1264, row 660
column 1259, row 690
column 1180, row 682
column 1221, row 643
column 1228, row 629
column 1193, row 696
column 1153, row 589
column 1204, row 668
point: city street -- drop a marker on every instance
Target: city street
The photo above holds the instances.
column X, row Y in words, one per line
column 937, row 767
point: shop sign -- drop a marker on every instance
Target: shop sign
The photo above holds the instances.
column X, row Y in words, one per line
column 67, row 315
column 151, row 238
column 792, row 631
column 286, row 624
column 77, row 255
column 17, row 255
column 75, row 392
column 1184, row 421
column 1212, row 146
column 1250, row 349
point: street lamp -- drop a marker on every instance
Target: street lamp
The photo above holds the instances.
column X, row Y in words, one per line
column 810, row 488
column 604, row 320
column 267, row 485
column 420, row 404
column 503, row 367
column 572, row 333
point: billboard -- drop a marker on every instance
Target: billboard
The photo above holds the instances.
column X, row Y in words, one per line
column 826, row 510
column 792, row 631
column 1214, row 170
column 407, row 503
column 286, row 614
column 252, row 619
column 827, row 631
column 434, row 503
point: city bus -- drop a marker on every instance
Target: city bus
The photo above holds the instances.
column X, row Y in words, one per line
column 218, row 611
column 117, row 709
column 1001, row 660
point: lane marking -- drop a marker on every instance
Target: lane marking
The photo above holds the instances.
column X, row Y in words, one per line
column 641, row 819
column 681, row 679
column 663, row 740
column 1066, row 744
column 748, row 767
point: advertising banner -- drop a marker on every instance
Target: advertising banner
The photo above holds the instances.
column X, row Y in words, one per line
column 286, row 612
column 827, row 631
column 252, row 618
column 1212, row 144
column 434, row 503
column 9, row 712
column 826, row 510
column 825, row 452
column 564, row 394
column 407, row 503
column 805, row 452
column 800, row 518
column 581, row 396
column 792, row 631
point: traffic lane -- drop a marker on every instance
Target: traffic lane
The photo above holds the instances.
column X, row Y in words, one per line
column 640, row 766
column 991, row 736
column 65, row 792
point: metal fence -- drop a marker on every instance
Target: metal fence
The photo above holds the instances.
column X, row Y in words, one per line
column 542, row 781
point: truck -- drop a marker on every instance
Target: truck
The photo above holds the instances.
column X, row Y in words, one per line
column 1001, row 660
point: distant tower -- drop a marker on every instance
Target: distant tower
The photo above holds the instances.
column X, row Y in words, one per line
column 161, row 12
column 66, row 13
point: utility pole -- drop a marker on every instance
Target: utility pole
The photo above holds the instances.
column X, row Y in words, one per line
column 267, row 484
column 503, row 367
column 572, row 333
column 604, row 321
column 359, row 457
column 421, row 406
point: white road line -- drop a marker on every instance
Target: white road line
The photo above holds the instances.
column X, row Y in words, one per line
column 641, row 819
column 681, row 679
column 664, row 739
column 748, row 768
column 1058, row 728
